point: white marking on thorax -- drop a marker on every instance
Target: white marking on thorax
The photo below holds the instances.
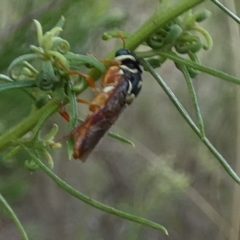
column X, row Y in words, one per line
column 129, row 98
column 129, row 87
column 120, row 71
column 108, row 89
column 125, row 57
column 140, row 83
column 129, row 69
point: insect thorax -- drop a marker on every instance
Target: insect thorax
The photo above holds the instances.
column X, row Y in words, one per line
column 130, row 66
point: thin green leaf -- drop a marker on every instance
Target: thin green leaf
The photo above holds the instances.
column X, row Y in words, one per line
column 14, row 85
column 47, row 158
column 60, row 22
column 13, row 217
column 80, row 59
column 201, row 68
column 92, row 202
column 30, row 67
column 12, row 152
column 47, row 40
column 190, row 122
column 121, row 138
column 227, row 11
column 20, row 59
column 53, row 132
column 39, row 31
column 41, row 121
column 73, row 118
column 60, row 45
column 194, row 98
column 5, row 78
column 60, row 58
column 72, row 107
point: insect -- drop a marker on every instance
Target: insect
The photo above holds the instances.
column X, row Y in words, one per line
column 120, row 84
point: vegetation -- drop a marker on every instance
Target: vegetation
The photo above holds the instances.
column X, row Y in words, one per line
column 43, row 76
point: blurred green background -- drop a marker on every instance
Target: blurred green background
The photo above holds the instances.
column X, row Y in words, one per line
column 169, row 177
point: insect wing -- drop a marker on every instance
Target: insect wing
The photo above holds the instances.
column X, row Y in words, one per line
column 89, row 133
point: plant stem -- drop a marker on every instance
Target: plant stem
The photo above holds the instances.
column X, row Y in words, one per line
column 27, row 124
column 188, row 119
column 202, row 68
column 194, row 98
column 92, row 202
column 13, row 217
column 161, row 17
column 20, row 84
column 227, row 11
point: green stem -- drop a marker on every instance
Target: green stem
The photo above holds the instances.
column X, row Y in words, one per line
column 72, row 120
column 13, row 217
column 15, row 85
column 194, row 65
column 121, row 138
column 27, row 124
column 172, row 97
column 92, row 202
column 72, row 107
column 202, row 68
column 206, row 35
column 227, row 11
column 162, row 16
column 190, row 122
column 39, row 125
column 194, row 98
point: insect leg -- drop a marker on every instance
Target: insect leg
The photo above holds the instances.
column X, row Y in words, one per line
column 92, row 106
column 63, row 112
column 89, row 79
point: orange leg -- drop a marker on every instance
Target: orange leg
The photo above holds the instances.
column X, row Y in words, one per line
column 122, row 38
column 92, row 107
column 89, row 79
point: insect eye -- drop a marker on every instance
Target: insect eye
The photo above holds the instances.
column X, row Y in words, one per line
column 122, row 52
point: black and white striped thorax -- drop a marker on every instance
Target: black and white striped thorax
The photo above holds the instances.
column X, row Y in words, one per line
column 131, row 71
